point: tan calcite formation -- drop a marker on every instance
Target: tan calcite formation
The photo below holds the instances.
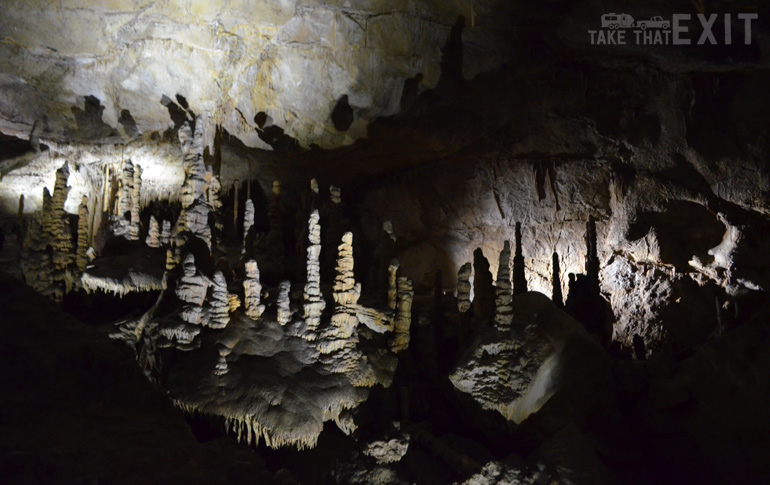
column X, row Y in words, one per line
column 194, row 217
column 464, row 287
column 48, row 244
column 283, row 303
column 403, row 320
column 218, row 303
column 191, row 290
column 136, row 205
column 153, row 234
column 314, row 303
column 393, row 283
column 504, row 289
column 60, row 233
column 81, row 258
column 165, row 233
column 126, row 191
column 248, row 220
column 252, row 291
column 342, row 330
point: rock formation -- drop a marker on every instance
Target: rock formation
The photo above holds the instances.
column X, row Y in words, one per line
column 252, row 290
column 153, row 234
column 218, row 303
column 484, row 296
column 403, row 318
column 191, row 290
column 519, row 270
column 503, row 290
column 393, row 283
column 464, row 287
column 314, row 303
column 248, row 221
column 283, row 304
column 81, row 258
column 342, row 330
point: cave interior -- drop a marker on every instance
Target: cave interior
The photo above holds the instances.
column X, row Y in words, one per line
column 406, row 242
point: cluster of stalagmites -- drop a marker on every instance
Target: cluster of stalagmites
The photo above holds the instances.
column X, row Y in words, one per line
column 51, row 254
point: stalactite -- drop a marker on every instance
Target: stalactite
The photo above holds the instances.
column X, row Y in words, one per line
column 503, row 290
column 194, row 217
column 314, row 303
column 519, row 270
column 484, row 295
column 556, row 295
column 284, row 303
column 403, row 320
column 82, row 259
column 252, row 291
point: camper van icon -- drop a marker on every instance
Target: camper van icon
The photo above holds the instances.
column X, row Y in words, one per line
column 617, row 21
column 614, row 21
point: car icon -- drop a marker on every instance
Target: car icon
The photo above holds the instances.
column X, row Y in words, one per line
column 617, row 21
column 653, row 23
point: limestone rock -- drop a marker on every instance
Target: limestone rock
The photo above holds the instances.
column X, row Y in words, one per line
column 153, row 234
column 191, row 290
column 517, row 371
column 283, row 304
column 248, row 220
column 503, row 289
column 393, row 283
column 403, row 318
column 82, row 259
column 252, row 290
column 219, row 303
column 314, row 303
column 464, row 287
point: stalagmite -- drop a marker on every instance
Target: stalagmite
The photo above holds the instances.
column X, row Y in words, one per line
column 556, row 294
column 126, row 190
column 392, row 283
column 191, row 290
column 165, row 233
column 403, row 318
column 153, row 234
column 252, row 291
column 59, row 228
column 82, row 259
column 592, row 257
column 284, row 302
column 464, row 287
column 314, row 303
column 195, row 209
column 248, row 220
column 346, row 294
column 519, row 272
column 136, row 205
column 484, row 295
column 335, row 193
column 503, row 291
column 219, row 304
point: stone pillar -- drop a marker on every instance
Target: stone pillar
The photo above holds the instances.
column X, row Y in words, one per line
column 252, row 290
column 503, row 290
